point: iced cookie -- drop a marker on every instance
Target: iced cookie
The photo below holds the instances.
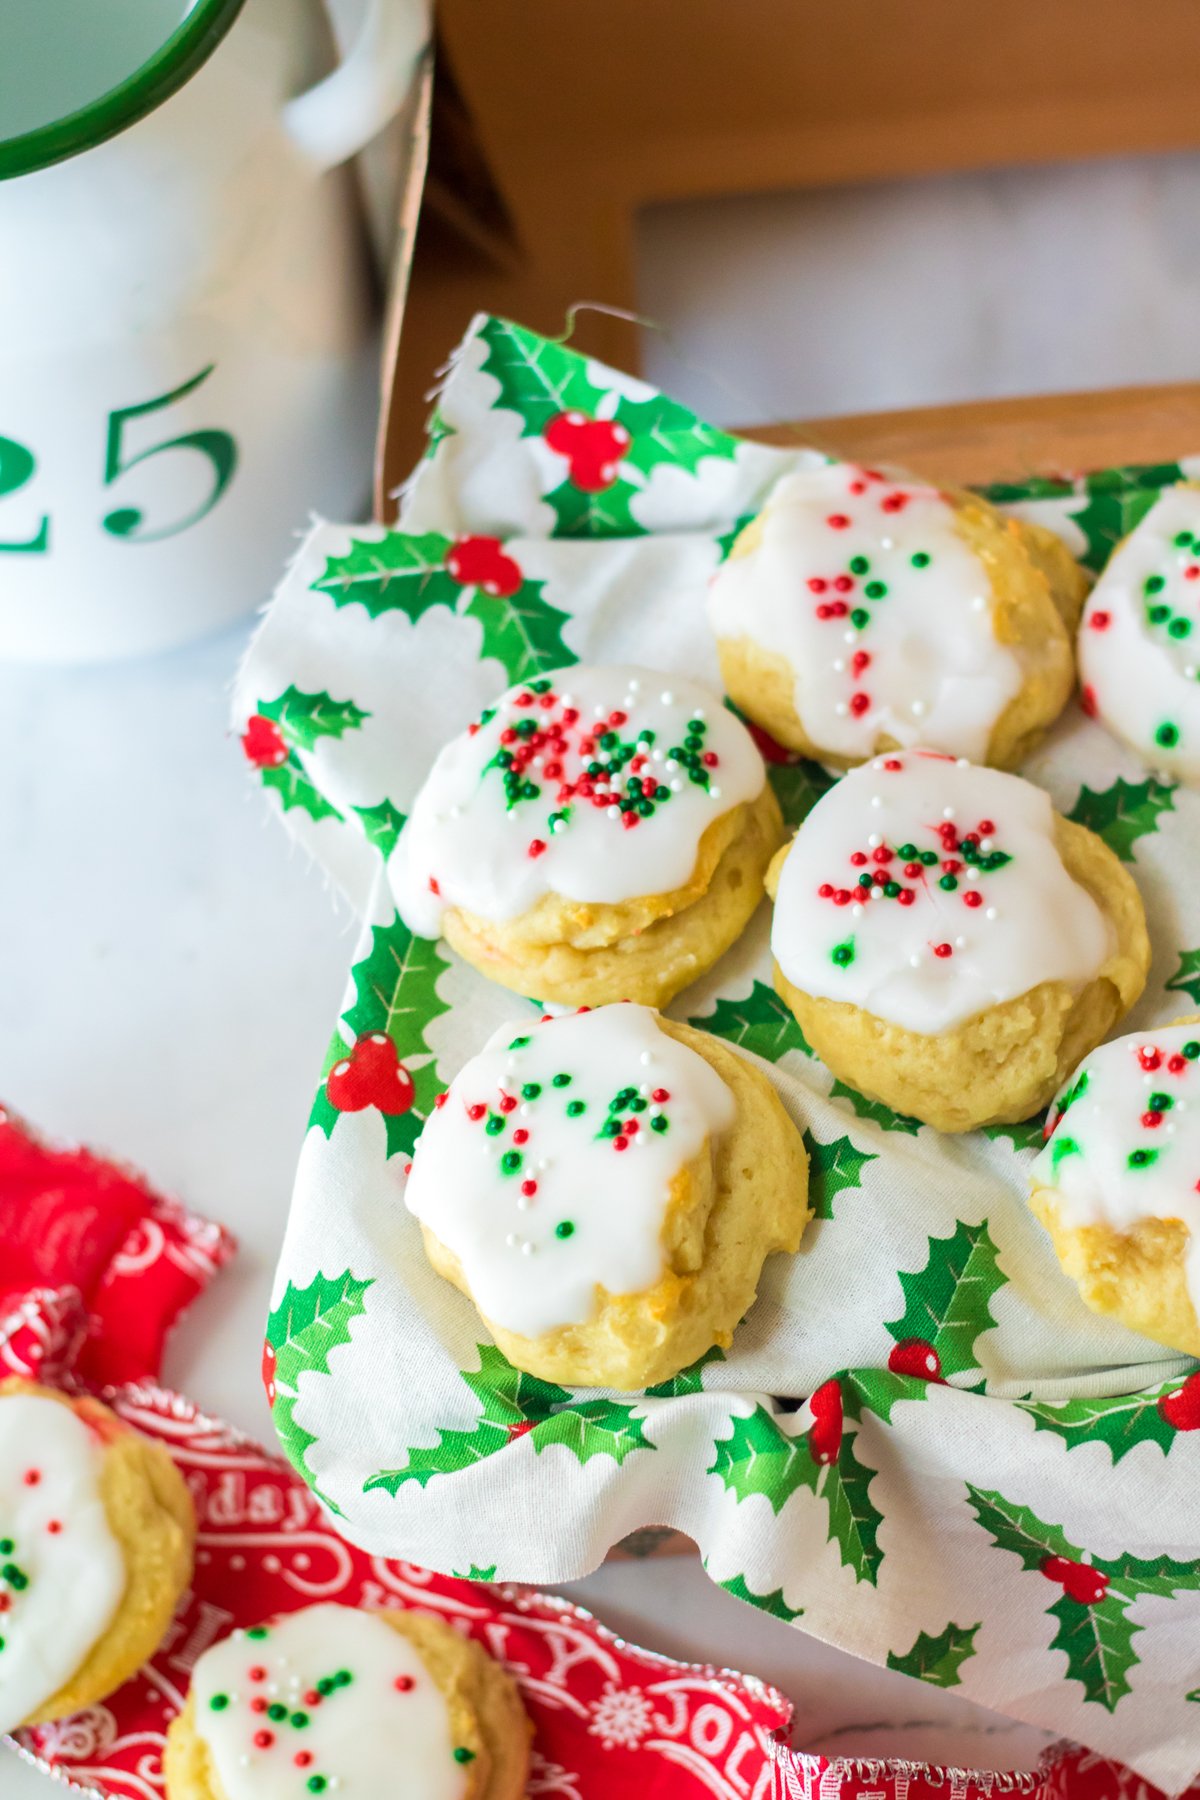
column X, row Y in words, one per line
column 599, row 834
column 1117, row 1184
column 96, row 1534
column 862, row 612
column 1139, row 643
column 605, row 1187
column 332, row 1700
column 949, row 944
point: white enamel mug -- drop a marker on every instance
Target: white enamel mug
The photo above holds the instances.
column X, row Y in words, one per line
column 187, row 321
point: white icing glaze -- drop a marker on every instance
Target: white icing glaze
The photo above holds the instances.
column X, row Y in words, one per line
column 932, row 961
column 62, row 1581
column 1141, row 674
column 915, row 664
column 466, row 845
column 611, row 1190
column 364, row 1738
column 1118, row 1154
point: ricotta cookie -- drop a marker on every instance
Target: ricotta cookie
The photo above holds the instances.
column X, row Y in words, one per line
column 599, row 834
column 1117, row 1184
column 333, row 1700
column 605, row 1188
column 1139, row 643
column 948, row 943
column 96, row 1535
column 862, row 612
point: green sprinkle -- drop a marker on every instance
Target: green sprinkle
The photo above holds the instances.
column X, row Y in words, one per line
column 564, row 1229
column 928, row 857
column 1062, row 1146
column 1183, row 540
column 575, row 1107
column 16, row 1578
column 859, row 565
column 697, row 725
column 1167, row 735
column 518, row 1043
column 921, row 559
column 843, row 954
column 325, row 1685
column 659, row 1122
column 1191, row 1049
column 219, row 1702
column 463, row 1755
column 257, row 1631
column 562, row 1080
column 907, row 851
column 316, row 1784
column 864, row 881
column 891, row 889
column 646, row 736
column 540, row 687
column 948, row 883
column 860, row 617
column 1179, row 628
column 610, row 1128
column 637, row 1104
column 1157, row 614
column 299, row 1720
column 875, row 590
column 531, row 1090
column 6, row 1546
column 495, row 1124
column 1154, row 584
column 1141, row 1159
column 343, row 1678
column 276, row 1711
column 510, row 1162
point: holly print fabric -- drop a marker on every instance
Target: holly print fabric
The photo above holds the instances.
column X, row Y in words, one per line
column 920, row 1446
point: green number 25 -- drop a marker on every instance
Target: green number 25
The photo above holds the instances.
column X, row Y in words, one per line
column 127, row 521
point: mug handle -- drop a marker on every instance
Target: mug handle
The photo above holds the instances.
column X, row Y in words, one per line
column 340, row 115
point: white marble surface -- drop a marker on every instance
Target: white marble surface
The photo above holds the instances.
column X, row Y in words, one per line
column 170, row 969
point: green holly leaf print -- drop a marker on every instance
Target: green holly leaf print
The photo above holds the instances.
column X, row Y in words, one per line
column 758, row 1457
column 475, row 1573
column 512, row 1404
column 854, row 1520
column 381, row 825
column 1035, row 487
column 1123, row 813
column 798, row 786
column 1015, row 1528
column 760, row 1022
column 1027, row 1134
column 590, row 1428
column 538, row 379
column 294, row 788
column 947, row 1302
column 1121, row 1421
column 581, row 513
column 831, row 1169
column 1194, row 1695
column 1186, row 979
column 304, row 719
column 938, row 1657
column 773, row 1603
column 689, row 1380
column 875, row 1109
column 436, row 432
column 878, row 1390
column 1098, row 1642
column 1161, row 1575
column 402, row 572
column 522, row 631
column 1117, row 500
column 302, row 1331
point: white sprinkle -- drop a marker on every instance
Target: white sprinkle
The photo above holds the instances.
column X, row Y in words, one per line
column 918, row 708
column 960, row 943
column 525, row 1109
column 914, row 962
column 644, row 1088
column 947, row 812
column 677, row 786
column 972, row 872
column 978, row 603
column 634, row 684
column 850, row 637
column 243, row 1761
column 538, row 761
column 701, row 715
column 543, row 1164
column 839, row 665
column 612, row 812
column 985, row 845
column 522, row 1202
column 874, row 841
column 961, row 763
column 1170, row 1131
column 887, row 543
column 668, row 698
column 527, row 1248
column 991, row 913
column 714, row 793
column 456, row 812
column 672, row 764
column 856, row 910
column 598, row 711
column 1189, row 670
column 876, row 800
column 567, row 699
column 511, row 1240
column 841, row 709
column 877, row 893
column 646, row 1059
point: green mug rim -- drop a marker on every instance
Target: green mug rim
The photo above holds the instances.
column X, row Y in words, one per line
column 189, row 46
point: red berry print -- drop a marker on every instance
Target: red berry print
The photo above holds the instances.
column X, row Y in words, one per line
column 520, row 1429
column 263, row 742
column 825, row 1433
column 1181, row 1409
column 268, row 1372
column 371, row 1075
column 593, row 449
column 913, row 1356
column 1079, row 1580
column 484, row 563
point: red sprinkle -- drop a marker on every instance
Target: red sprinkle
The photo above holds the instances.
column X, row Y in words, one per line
column 858, row 487
column 986, row 828
column 263, row 1740
column 630, row 1128
column 523, row 699
column 972, row 897
column 404, row 1684
column 54, row 1526
column 825, row 890
column 312, row 1698
column 660, row 1096
column 912, row 870
column 844, row 583
column 859, row 661
column 303, row 1758
column 906, row 896
column 894, row 502
column 537, row 848
column 1193, row 573
column 893, row 763
column 529, row 1189
column 440, row 1099
column 882, row 854
column 838, row 521
column 825, row 612
column 521, row 1136
column 942, row 950
column 433, row 886
column 507, row 1103
column 1100, row 621
column 710, row 759
column 477, row 1110
column 859, row 703
column 620, row 1143
column 1177, row 1064
column 1149, row 1057
column 1151, row 1119
column 258, row 1705
column 842, row 897
column 258, row 1673
column 629, row 820
column 817, row 584
column 1087, row 701
column 616, row 718
column 32, row 1477
column 858, row 858
column 570, row 714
